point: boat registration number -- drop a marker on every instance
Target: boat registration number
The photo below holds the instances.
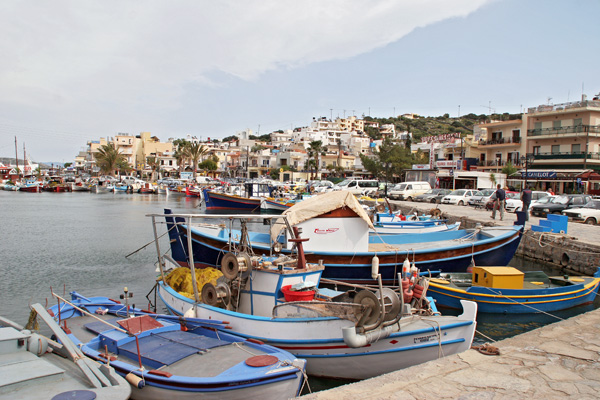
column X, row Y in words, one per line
column 425, row 339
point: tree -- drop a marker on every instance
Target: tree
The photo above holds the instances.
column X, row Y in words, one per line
column 315, row 150
column 196, row 151
column 154, row 164
column 68, row 164
column 108, row 159
column 493, row 180
column 208, row 165
column 389, row 161
column 509, row 169
column 181, row 153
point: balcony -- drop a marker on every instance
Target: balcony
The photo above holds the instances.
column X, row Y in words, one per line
column 579, row 130
column 511, row 141
column 566, row 156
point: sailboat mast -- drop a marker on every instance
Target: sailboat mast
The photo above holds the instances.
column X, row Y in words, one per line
column 16, row 156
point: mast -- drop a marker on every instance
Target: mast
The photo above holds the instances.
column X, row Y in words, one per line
column 16, row 156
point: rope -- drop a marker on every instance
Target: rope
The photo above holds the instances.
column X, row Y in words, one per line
column 438, row 332
column 525, row 305
column 487, row 337
column 149, row 243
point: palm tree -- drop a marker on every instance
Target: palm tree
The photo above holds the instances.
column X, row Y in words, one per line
column 196, row 151
column 181, row 153
column 153, row 163
column 315, row 149
column 108, row 158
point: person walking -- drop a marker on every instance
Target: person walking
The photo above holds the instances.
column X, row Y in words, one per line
column 500, row 195
column 526, row 199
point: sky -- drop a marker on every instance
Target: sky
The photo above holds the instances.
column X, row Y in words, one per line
column 74, row 71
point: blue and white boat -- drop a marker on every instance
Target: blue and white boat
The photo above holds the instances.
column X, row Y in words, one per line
column 411, row 227
column 338, row 229
column 356, row 334
column 164, row 357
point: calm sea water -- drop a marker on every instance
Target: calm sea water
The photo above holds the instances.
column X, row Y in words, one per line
column 78, row 241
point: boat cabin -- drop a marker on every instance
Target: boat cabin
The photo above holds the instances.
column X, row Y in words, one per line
column 498, row 277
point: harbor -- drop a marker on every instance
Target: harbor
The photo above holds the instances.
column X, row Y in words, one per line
column 96, row 261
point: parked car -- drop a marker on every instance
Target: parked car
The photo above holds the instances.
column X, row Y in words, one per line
column 543, row 200
column 432, row 196
column 490, row 202
column 514, row 203
column 480, row 197
column 408, row 190
column 460, row 197
column 560, row 204
column 588, row 214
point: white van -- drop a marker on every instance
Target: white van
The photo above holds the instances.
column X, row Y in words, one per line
column 408, row 190
column 358, row 186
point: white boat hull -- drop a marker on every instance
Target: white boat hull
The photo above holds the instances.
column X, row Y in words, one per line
column 320, row 340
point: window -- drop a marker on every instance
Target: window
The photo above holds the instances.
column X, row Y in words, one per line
column 537, row 127
column 496, row 136
column 577, row 201
column 578, row 125
column 555, row 149
column 557, row 124
column 576, row 148
column 536, row 149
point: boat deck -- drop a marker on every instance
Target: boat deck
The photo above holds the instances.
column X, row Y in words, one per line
column 188, row 354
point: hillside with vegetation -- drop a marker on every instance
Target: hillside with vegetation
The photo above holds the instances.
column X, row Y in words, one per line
column 421, row 126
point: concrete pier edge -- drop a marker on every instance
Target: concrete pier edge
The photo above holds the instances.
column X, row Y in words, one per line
column 557, row 361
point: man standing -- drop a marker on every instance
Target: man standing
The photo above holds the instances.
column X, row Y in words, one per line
column 499, row 202
column 526, row 199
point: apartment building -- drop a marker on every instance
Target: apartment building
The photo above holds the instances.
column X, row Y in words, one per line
column 565, row 136
column 499, row 143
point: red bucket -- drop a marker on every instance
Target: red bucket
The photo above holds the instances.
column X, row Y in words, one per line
column 290, row 295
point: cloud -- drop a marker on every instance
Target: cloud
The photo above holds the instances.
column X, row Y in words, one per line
column 63, row 52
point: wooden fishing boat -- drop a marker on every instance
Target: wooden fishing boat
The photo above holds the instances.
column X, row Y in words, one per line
column 276, row 204
column 338, row 229
column 33, row 366
column 192, row 191
column 507, row 290
column 223, row 201
column 164, row 357
column 356, row 334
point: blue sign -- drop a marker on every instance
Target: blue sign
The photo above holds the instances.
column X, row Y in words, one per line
column 579, row 181
column 539, row 174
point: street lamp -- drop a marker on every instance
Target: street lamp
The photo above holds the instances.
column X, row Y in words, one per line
column 529, row 157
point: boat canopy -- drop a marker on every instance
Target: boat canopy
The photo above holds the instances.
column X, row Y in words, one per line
column 319, row 205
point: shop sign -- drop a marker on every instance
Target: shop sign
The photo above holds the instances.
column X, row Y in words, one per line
column 539, row 174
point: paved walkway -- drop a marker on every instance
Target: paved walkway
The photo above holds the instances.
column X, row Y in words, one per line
column 557, row 361
column 585, row 233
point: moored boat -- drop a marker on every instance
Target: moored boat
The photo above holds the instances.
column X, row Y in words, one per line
column 223, row 201
column 165, row 357
column 33, row 366
column 507, row 290
column 338, row 229
column 356, row 334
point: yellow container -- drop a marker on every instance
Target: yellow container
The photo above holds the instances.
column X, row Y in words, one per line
column 498, row 277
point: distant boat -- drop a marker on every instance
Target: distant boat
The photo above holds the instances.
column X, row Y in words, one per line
column 192, row 191
column 338, row 229
column 507, row 290
column 222, row 201
column 164, row 357
column 35, row 367
column 276, row 204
